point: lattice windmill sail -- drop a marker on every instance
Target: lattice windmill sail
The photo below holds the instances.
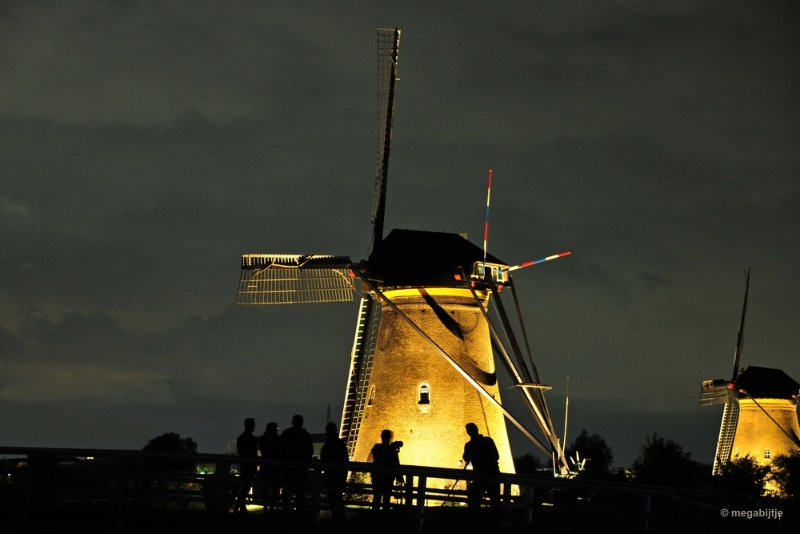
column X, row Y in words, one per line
column 422, row 362
column 294, row 279
column 760, row 414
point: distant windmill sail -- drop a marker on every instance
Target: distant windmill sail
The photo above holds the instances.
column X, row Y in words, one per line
column 294, row 279
column 721, row 391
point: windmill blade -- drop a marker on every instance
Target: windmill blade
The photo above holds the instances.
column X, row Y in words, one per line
column 536, row 262
column 528, row 347
column 727, row 431
column 294, row 279
column 514, row 373
column 361, row 358
column 737, row 356
column 534, row 396
column 388, row 48
column 713, row 392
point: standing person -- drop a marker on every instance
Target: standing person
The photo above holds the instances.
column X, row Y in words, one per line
column 385, row 454
column 247, row 447
column 271, row 474
column 482, row 452
column 334, row 451
column 296, row 446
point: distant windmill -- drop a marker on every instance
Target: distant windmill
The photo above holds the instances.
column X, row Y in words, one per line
column 760, row 415
column 422, row 363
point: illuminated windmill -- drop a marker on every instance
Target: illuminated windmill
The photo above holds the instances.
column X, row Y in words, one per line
column 760, row 415
column 422, row 362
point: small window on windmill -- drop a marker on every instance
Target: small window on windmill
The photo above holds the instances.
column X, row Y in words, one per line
column 424, row 394
column 766, row 453
column 371, row 396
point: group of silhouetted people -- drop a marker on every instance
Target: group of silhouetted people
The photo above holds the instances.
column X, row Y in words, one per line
column 293, row 445
column 286, row 484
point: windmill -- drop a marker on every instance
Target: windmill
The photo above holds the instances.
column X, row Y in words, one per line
column 422, row 361
column 760, row 414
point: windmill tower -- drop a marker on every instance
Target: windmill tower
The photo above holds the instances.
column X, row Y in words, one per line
column 422, row 361
column 760, row 415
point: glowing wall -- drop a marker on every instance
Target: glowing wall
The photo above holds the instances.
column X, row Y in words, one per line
column 406, row 369
column 761, row 438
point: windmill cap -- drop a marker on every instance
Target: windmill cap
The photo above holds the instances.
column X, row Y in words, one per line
column 766, row 383
column 419, row 258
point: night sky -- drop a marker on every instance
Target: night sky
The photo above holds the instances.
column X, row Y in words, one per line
column 145, row 145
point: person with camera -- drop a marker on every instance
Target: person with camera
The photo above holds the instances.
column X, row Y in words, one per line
column 385, row 454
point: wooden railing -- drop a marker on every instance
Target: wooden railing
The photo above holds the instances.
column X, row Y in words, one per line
column 126, row 484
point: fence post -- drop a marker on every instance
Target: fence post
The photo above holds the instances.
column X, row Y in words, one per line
column 421, row 496
column 137, row 482
column 647, row 515
column 30, row 466
column 529, row 503
column 316, row 492
column 122, row 495
column 222, row 471
column 505, row 501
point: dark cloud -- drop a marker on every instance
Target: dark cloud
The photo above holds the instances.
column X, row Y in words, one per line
column 146, row 145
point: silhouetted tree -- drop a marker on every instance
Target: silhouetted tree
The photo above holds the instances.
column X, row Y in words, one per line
column 786, row 474
column 170, row 442
column 594, row 450
column 664, row 463
column 527, row 464
column 742, row 475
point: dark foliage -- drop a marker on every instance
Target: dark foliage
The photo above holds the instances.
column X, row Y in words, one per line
column 741, row 475
column 664, row 463
column 170, row 442
column 527, row 464
column 786, row 474
column 594, row 450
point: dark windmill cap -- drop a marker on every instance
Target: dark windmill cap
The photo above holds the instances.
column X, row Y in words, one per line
column 417, row 258
column 766, row 383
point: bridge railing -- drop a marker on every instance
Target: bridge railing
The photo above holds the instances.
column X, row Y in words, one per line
column 131, row 483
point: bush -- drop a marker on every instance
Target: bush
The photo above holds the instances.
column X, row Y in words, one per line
column 594, row 451
column 664, row 463
column 786, row 474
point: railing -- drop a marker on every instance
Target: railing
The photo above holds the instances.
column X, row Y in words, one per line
column 123, row 485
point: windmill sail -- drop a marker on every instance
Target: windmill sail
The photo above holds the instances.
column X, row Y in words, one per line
column 293, row 279
column 714, row 392
column 727, row 431
column 356, row 400
column 388, row 48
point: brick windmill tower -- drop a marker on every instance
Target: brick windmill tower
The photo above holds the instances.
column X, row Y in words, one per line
column 760, row 415
column 422, row 362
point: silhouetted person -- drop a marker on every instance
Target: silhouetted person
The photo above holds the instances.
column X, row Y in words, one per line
column 482, row 452
column 247, row 446
column 334, row 451
column 296, row 446
column 270, row 446
column 385, row 454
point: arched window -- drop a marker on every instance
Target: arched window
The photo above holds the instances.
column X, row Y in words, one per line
column 424, row 395
column 371, row 396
